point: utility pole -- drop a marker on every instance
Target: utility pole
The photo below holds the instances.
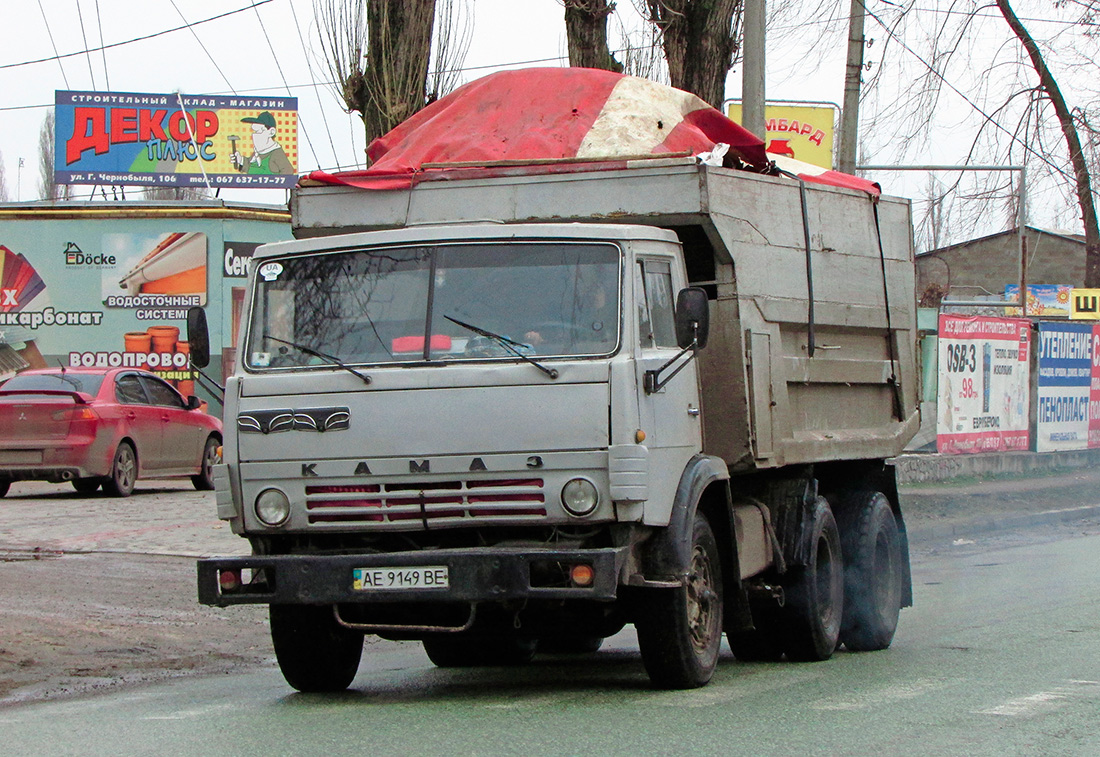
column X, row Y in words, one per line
column 752, row 75
column 853, row 77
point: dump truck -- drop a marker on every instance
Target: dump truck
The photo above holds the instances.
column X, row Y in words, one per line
column 510, row 411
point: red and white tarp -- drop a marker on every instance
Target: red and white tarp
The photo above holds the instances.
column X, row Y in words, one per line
column 589, row 118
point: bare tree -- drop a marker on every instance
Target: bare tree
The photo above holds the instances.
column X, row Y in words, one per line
column 176, row 193
column 586, row 34
column 48, row 188
column 960, row 84
column 378, row 53
column 4, row 196
column 701, row 39
column 1077, row 156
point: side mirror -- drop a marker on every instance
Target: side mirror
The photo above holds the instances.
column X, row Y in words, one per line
column 198, row 336
column 692, row 317
column 193, row 402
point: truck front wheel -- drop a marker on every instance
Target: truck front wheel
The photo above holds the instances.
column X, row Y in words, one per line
column 315, row 653
column 680, row 630
column 873, row 572
column 815, row 593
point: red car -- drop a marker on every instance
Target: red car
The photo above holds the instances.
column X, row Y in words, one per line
column 102, row 427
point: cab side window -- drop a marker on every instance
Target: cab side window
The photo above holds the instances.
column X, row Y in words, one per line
column 128, row 390
column 656, row 319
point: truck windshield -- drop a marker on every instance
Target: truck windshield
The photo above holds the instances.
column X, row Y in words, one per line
column 445, row 303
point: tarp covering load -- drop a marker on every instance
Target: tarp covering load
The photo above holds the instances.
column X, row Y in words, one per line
column 556, row 119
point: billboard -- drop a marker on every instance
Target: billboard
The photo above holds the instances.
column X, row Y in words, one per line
column 804, row 132
column 1046, row 300
column 1068, row 413
column 175, row 140
column 1085, row 304
column 983, row 393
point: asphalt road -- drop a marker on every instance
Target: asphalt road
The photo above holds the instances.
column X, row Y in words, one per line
column 999, row 656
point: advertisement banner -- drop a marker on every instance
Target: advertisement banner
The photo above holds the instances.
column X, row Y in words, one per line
column 1067, row 375
column 175, row 140
column 1046, row 300
column 983, row 384
column 804, row 132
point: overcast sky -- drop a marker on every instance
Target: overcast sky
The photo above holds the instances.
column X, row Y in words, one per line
column 232, row 55
column 266, row 49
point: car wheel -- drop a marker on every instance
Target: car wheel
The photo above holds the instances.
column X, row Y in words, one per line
column 123, row 472
column 204, row 480
column 680, row 630
column 86, row 485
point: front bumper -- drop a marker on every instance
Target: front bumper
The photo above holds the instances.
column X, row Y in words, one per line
column 476, row 575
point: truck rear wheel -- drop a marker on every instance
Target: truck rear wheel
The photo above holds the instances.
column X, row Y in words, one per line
column 479, row 651
column 680, row 630
column 873, row 573
column 315, row 653
column 815, row 595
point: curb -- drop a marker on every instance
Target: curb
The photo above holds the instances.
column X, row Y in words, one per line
column 1001, row 523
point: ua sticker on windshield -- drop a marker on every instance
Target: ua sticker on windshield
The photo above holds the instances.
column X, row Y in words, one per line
column 270, row 271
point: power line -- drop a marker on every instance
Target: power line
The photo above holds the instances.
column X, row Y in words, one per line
column 316, row 92
column 279, row 68
column 102, row 52
column 195, row 34
column 84, row 37
column 58, row 57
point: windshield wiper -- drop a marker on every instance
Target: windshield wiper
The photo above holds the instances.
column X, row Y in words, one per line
column 324, row 356
column 506, row 343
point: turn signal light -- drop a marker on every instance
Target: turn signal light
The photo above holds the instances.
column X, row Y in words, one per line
column 582, row 575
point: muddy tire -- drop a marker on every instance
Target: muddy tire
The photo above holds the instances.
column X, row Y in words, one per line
column 123, row 472
column 873, row 573
column 815, row 593
column 680, row 630
column 204, row 479
column 315, row 653
column 86, row 485
column 479, row 651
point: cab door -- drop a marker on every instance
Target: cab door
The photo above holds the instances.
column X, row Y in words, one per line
column 670, row 416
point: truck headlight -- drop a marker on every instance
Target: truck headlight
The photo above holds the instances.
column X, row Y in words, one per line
column 579, row 497
column 272, row 507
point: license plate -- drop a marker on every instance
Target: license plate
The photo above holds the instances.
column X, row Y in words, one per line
column 397, row 579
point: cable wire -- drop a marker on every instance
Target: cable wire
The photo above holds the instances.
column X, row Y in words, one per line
column 195, row 34
column 58, row 57
column 84, row 37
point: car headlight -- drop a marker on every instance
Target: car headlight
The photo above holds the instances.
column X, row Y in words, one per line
column 579, row 497
column 272, row 507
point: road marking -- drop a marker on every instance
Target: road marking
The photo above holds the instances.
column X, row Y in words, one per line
column 1043, row 701
column 882, row 696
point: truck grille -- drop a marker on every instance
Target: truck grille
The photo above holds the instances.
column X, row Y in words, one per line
column 427, row 502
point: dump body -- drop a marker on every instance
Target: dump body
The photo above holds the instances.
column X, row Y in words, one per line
column 767, row 402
